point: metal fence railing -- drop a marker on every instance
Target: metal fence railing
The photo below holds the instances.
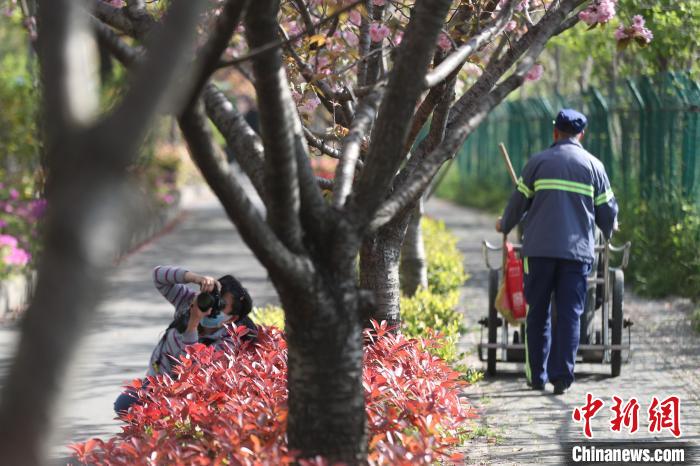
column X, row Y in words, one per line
column 646, row 132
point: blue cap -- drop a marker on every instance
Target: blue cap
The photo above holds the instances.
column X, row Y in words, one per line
column 570, row 121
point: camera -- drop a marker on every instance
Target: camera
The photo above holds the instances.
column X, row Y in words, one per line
column 211, row 300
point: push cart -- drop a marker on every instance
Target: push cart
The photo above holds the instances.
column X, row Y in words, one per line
column 602, row 322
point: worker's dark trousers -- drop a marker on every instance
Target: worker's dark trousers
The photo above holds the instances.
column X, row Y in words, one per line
column 551, row 353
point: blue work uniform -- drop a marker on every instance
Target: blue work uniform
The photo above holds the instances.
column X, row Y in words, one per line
column 562, row 194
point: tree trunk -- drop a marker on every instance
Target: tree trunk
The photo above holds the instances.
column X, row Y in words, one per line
column 379, row 268
column 326, row 397
column 414, row 267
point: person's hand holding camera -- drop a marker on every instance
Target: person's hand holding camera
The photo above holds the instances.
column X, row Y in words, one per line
column 196, row 316
column 206, row 283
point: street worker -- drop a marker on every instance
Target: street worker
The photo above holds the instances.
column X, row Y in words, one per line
column 563, row 193
column 200, row 317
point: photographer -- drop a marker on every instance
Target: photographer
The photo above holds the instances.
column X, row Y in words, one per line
column 199, row 317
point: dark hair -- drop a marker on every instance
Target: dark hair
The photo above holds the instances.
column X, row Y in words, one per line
column 242, row 302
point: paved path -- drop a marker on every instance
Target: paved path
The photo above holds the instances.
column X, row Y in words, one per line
column 520, row 426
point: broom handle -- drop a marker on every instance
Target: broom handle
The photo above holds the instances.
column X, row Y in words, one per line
column 509, row 165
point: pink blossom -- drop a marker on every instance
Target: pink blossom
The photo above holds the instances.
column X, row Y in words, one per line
column 17, row 256
column 14, row 194
column 38, row 208
column 168, row 198
column 398, row 37
column 522, row 5
column 606, row 10
column 355, row 17
column 116, row 3
column 309, row 105
column 645, row 34
column 378, row 32
column 351, row 38
column 600, row 11
column 588, row 17
column 293, row 28
column 472, row 70
column 636, row 31
column 444, row 42
column 3, row 223
column 378, row 2
column 620, row 33
column 8, row 240
column 511, row 25
column 535, row 73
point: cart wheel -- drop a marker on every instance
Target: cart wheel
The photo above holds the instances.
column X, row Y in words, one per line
column 493, row 322
column 618, row 292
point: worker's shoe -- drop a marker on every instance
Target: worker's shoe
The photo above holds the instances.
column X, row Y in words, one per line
column 560, row 387
column 536, row 386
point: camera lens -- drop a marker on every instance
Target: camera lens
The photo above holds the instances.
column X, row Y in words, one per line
column 205, row 301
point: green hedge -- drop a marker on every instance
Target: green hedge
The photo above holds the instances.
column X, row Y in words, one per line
column 445, row 262
column 665, row 236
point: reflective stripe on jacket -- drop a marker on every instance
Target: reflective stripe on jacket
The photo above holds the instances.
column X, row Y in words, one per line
column 563, row 192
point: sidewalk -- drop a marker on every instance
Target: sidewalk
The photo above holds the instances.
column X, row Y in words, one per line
column 521, row 426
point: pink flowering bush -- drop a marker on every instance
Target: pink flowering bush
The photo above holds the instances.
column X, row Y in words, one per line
column 230, row 407
column 20, row 216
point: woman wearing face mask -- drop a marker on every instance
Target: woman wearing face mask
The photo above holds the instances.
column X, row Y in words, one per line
column 193, row 322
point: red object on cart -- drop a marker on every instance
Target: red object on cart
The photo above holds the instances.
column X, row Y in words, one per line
column 513, row 274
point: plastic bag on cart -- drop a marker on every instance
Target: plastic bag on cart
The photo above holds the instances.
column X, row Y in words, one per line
column 510, row 300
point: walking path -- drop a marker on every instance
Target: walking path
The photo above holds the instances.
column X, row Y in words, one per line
column 518, row 426
column 521, row 426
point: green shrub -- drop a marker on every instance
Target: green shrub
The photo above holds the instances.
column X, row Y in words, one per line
column 482, row 193
column 272, row 316
column 445, row 262
column 427, row 310
column 665, row 235
column 695, row 320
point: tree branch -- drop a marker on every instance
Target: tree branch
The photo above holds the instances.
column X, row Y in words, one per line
column 209, row 55
column 273, row 44
column 126, row 54
column 345, row 171
column 135, row 24
column 456, row 59
column 463, row 123
column 397, row 108
column 240, row 137
column 279, row 122
column 318, row 143
column 326, row 94
column 256, row 233
column 567, row 24
column 88, row 213
column 167, row 59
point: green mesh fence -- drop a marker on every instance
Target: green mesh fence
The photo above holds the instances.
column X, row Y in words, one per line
column 646, row 132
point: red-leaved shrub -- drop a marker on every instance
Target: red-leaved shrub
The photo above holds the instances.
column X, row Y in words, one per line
column 230, row 407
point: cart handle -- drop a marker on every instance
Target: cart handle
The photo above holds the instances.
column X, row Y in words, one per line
column 625, row 249
column 486, row 246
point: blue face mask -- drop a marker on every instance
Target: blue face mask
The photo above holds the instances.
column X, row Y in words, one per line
column 214, row 322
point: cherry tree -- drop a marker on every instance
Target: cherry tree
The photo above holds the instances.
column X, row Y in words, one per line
column 355, row 81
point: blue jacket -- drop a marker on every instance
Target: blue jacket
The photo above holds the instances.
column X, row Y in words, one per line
column 563, row 192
